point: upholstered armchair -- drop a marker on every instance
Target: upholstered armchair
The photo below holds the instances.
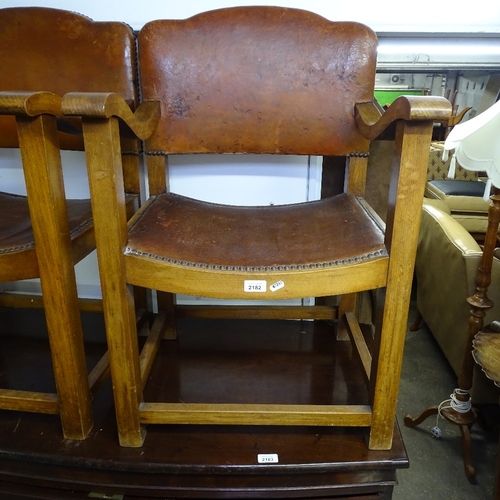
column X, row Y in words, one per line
column 446, row 268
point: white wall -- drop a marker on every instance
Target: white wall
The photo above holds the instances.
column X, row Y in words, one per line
column 387, row 15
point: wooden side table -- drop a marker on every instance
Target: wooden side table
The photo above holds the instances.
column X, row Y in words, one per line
column 486, row 352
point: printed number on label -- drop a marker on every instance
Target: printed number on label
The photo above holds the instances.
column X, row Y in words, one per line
column 276, row 286
column 255, row 286
column 267, row 458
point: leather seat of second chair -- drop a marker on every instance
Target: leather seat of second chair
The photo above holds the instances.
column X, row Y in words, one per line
column 16, row 234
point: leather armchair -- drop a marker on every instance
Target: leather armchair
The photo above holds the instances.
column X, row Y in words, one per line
column 446, row 267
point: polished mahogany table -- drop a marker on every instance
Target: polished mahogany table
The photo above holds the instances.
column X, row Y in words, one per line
column 248, row 361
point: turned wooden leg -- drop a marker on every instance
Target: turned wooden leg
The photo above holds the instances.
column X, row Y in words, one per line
column 470, row 472
column 416, row 324
column 413, row 422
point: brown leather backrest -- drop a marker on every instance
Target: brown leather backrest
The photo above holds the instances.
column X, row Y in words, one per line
column 61, row 51
column 257, row 80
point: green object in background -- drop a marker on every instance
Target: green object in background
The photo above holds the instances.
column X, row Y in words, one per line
column 385, row 96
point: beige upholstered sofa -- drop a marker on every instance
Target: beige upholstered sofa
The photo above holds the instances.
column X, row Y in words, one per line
column 446, row 267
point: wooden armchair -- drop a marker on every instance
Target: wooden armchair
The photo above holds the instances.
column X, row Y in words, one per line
column 257, row 80
column 42, row 235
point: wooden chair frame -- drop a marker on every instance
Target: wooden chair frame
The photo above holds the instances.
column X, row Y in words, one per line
column 392, row 269
column 52, row 259
column 56, row 50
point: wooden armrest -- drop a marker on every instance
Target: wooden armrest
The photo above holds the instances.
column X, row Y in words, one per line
column 29, row 103
column 107, row 105
column 371, row 121
column 25, row 103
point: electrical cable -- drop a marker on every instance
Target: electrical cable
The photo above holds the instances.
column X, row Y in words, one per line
column 457, row 404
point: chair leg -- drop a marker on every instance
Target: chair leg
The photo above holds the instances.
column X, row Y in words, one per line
column 347, row 304
column 70, row 368
column 167, row 303
column 118, row 299
column 123, row 350
column 390, row 332
column 405, row 195
column 43, row 174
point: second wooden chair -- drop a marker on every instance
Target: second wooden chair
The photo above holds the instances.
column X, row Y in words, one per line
column 42, row 235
